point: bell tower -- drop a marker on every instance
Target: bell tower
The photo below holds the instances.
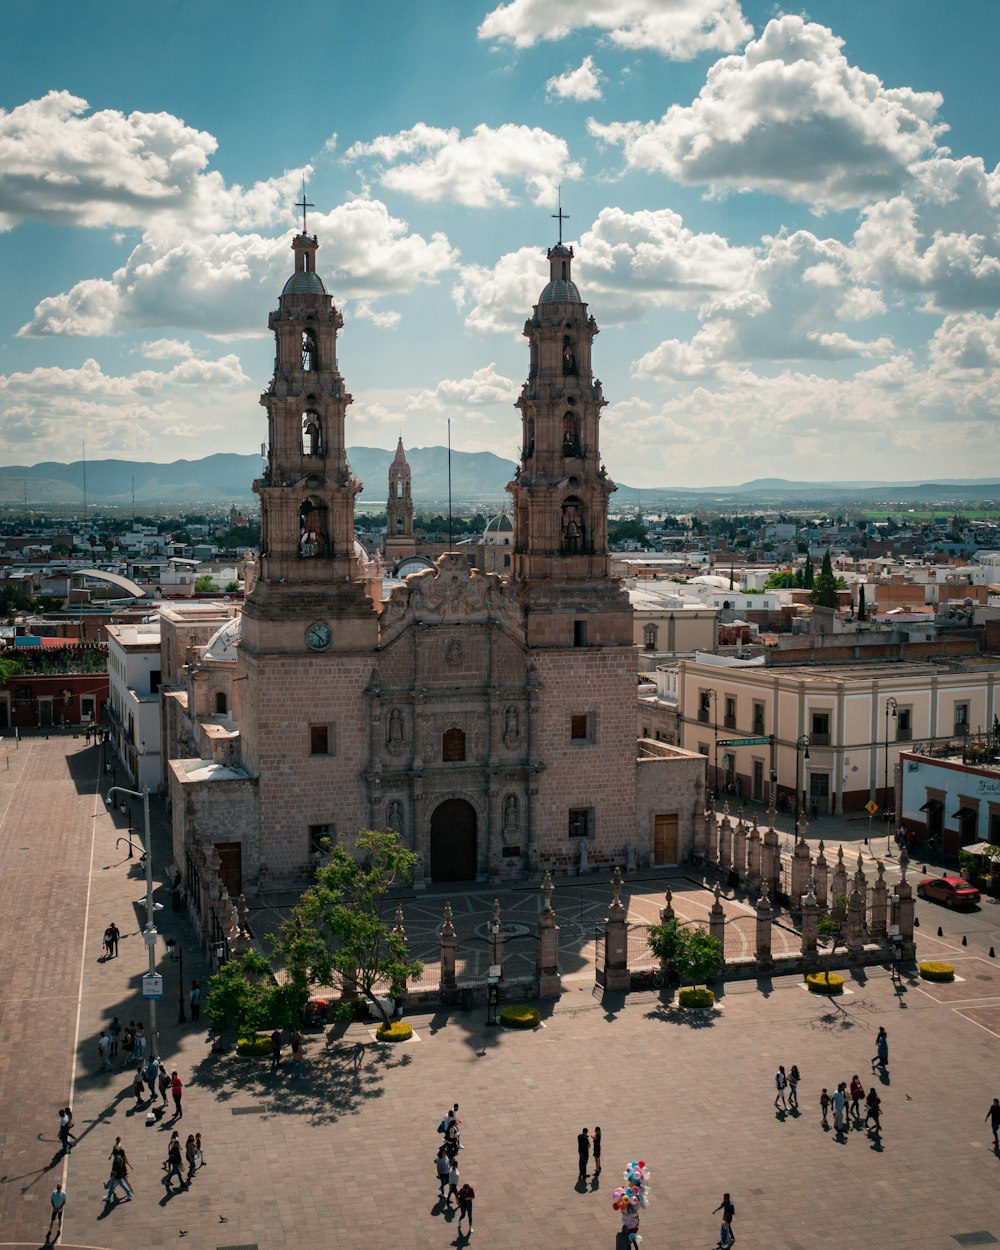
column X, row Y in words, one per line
column 307, row 570
column 561, row 489
column 399, row 539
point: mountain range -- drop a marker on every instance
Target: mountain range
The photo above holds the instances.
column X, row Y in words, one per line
column 478, row 480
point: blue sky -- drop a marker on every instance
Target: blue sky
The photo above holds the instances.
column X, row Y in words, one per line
column 787, row 224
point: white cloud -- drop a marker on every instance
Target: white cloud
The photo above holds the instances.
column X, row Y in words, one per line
column 433, row 164
column 967, row 345
column 122, row 415
column 166, row 349
column 680, row 29
column 789, row 116
column 484, row 387
column 221, row 285
column 582, row 83
column 63, row 164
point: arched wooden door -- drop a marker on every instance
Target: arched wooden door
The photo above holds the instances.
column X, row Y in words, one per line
column 453, row 841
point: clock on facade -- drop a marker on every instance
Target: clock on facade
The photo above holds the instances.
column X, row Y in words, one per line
column 318, row 636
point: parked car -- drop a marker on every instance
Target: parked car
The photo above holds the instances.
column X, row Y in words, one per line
column 952, row 891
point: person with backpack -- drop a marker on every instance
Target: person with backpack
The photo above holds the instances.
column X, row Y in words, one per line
column 873, row 1105
column 726, row 1234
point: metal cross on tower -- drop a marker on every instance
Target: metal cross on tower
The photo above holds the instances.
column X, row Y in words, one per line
column 304, row 204
column 560, row 216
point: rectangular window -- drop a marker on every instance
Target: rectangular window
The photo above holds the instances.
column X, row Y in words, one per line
column 758, row 719
column 579, row 633
column 819, row 735
column 319, row 740
column 581, row 822
column 961, row 718
column 581, row 727
column 904, row 724
column 704, row 705
column 729, row 720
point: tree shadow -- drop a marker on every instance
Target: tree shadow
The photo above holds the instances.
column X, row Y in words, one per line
column 689, row 1017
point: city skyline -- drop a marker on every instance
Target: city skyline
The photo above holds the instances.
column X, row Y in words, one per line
column 786, row 226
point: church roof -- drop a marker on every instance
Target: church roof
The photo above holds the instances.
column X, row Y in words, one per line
column 306, row 282
column 500, row 524
column 223, row 643
column 560, row 292
column 399, row 460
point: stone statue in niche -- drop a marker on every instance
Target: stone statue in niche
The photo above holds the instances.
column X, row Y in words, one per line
column 394, row 816
column 510, row 813
column 394, row 727
column 511, row 726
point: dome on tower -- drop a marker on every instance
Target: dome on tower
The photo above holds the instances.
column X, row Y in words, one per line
column 499, row 529
column 560, row 290
column 305, row 282
column 223, row 643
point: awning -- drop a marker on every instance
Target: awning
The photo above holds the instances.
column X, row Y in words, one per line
column 932, row 805
column 963, row 812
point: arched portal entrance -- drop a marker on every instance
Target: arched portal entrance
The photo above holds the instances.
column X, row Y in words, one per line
column 453, row 841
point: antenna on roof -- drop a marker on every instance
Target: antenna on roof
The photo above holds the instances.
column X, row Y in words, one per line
column 560, row 216
column 304, row 204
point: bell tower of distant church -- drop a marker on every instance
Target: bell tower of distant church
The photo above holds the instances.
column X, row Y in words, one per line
column 399, row 538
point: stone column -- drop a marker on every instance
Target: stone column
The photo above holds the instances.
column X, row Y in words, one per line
column 725, row 843
column 616, row 971
column 762, row 946
column 496, row 935
column 855, row 922
column 838, row 885
column 880, row 898
column 821, row 873
column 740, row 849
column 549, row 980
column 801, row 869
column 717, row 921
column 753, row 857
column 700, row 842
column 666, row 915
column 905, row 909
column 770, row 860
column 809, row 923
column 448, row 985
column 711, row 833
column 400, row 992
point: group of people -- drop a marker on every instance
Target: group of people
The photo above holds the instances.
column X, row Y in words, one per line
column 787, row 1097
column 155, row 1077
column 111, row 935
column 126, row 1043
column 584, row 1142
column 450, row 1183
column 295, row 1043
column 192, row 1153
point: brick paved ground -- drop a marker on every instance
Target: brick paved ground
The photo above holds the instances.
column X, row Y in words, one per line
column 343, row 1157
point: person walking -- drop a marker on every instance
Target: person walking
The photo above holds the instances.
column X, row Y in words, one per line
column 993, row 1115
column 119, row 1173
column 454, row 1180
column 295, row 1043
column 114, row 1032
column 881, row 1057
column 176, row 1090
column 857, row 1094
column 57, row 1200
column 65, row 1121
column 793, row 1087
column 780, row 1084
column 139, row 1042
column 453, row 1133
column 824, row 1106
column 138, row 1084
column 873, row 1109
column 152, row 1072
column 728, row 1211
column 583, row 1149
column 103, row 1048
column 465, row 1197
column 194, row 1000
column 596, row 1146
column 442, row 1165
column 839, row 1106
column 200, row 1149
column 163, row 1082
column 115, row 935
column 128, row 1041
column 275, row 1049
column 173, row 1164
column 191, row 1154
column 109, row 942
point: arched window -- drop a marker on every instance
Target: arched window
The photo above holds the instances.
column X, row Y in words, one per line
column 313, row 532
column 221, row 704
column 312, row 441
column 574, row 528
column 453, row 746
column 649, row 637
column 310, row 358
column 568, row 356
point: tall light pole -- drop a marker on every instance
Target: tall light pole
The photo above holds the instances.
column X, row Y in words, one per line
column 149, row 936
column 801, row 753
column 890, row 705
column 713, row 698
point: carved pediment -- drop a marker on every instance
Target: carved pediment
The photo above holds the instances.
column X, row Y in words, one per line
column 451, row 593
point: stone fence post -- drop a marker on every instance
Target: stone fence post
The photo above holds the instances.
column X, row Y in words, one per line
column 496, row 935
column 809, row 923
column 717, row 922
column 740, row 850
column 801, row 869
column 770, row 861
column 666, row 915
column 762, row 945
column 821, row 873
column 880, row 898
column 616, row 973
column 725, row 843
column 549, row 980
column 838, row 886
column 753, row 857
column 855, row 921
column 905, row 909
column 448, row 986
column 400, row 992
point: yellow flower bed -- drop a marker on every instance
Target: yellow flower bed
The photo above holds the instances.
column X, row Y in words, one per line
column 397, row 1031
column 255, row 1047
column 696, row 996
column 932, row 971
column 519, row 1016
column 824, row 983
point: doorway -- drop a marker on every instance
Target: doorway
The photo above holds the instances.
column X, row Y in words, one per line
column 665, row 839
column 453, row 841
column 231, row 867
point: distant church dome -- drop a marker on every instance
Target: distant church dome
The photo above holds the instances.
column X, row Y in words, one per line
column 499, row 528
column 307, row 282
column 223, row 643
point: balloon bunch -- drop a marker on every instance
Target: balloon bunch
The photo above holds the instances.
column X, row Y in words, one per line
column 633, row 1197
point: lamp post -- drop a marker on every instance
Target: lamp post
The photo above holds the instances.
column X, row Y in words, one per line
column 890, row 705
column 801, row 753
column 175, row 953
column 149, row 935
column 713, row 698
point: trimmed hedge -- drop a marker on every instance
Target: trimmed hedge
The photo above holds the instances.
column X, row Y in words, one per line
column 824, row 983
column 933, row 971
column 696, row 996
column 519, row 1016
column 255, row 1047
column 397, row 1031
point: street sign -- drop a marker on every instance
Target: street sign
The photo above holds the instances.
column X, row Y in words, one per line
column 744, row 742
column 871, row 808
column 152, row 986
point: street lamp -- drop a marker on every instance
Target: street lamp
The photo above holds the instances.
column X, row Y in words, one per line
column 175, row 953
column 890, row 704
column 712, row 696
column 801, row 753
column 149, row 935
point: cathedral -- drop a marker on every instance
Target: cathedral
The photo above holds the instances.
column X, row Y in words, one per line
column 488, row 717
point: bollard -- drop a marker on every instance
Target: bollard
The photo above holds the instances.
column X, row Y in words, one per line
column 940, row 933
column 993, row 953
column 916, row 922
column 965, row 940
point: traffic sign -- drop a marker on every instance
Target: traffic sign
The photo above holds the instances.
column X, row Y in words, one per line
column 871, row 808
column 744, row 742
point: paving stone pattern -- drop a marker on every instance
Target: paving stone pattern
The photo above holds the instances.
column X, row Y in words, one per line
column 344, row 1156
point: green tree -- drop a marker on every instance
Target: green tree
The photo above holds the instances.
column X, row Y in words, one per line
column 232, row 587
column 832, row 927
column 824, row 592
column 9, row 669
column 336, row 930
column 694, row 956
column 628, row 531
column 205, row 584
column 784, row 579
column 808, row 574
column 241, row 995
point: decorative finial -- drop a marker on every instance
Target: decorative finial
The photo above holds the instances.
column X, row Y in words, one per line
column 560, row 216
column 546, row 888
column 304, row 204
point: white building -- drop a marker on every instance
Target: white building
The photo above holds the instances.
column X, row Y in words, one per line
column 134, row 699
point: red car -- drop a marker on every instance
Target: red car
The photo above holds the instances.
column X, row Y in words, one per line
column 952, row 891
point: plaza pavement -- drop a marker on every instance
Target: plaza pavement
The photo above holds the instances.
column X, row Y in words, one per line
column 343, row 1156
